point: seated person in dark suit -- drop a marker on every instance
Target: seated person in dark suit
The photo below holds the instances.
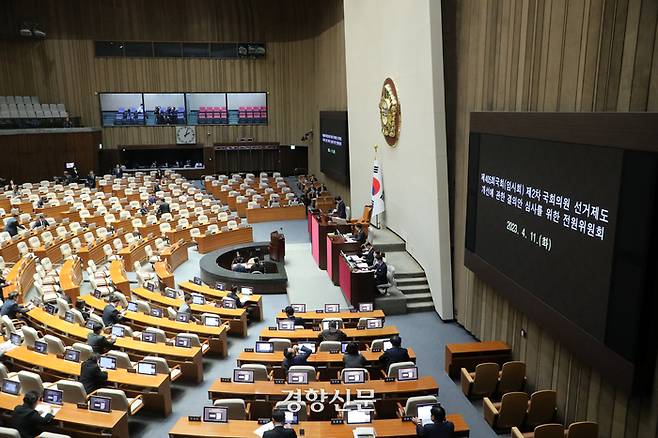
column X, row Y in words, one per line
column 296, row 355
column 90, row 181
column 352, row 358
column 163, row 208
column 281, row 430
column 341, row 211
column 368, row 254
column 359, row 234
column 333, row 333
column 111, row 314
column 99, row 343
column 11, row 308
column 438, row 428
column 40, row 222
column 26, row 419
column 82, row 308
column 91, row 375
column 381, row 270
column 394, row 354
column 290, row 314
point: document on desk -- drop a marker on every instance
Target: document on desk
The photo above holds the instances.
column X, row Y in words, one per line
column 362, row 265
column 44, row 409
column 264, row 428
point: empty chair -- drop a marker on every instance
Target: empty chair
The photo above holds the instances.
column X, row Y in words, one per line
column 150, row 255
column 162, row 367
column 237, row 409
column 120, row 402
column 512, row 377
column 279, row 344
column 7, row 432
column 377, row 344
column 542, row 408
column 583, row 429
column 550, row 430
column 508, row 413
column 122, row 358
column 310, row 372
column 481, row 383
column 55, row 345
column 144, row 307
column 411, row 406
column 66, row 251
column 367, row 373
column 160, row 335
column 85, row 350
column 72, row 391
column 329, row 346
column 76, row 244
column 394, row 367
column 195, row 233
column 32, row 382
column 212, row 229
column 302, row 413
column 260, row 371
column 30, row 335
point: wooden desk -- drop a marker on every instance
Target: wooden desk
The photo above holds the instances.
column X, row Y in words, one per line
column 237, row 318
column 155, row 390
column 253, row 301
column 95, row 252
column 387, row 428
column 189, row 359
column 468, row 355
column 295, row 212
column 165, row 274
column 70, row 277
column 358, row 286
column 21, row 277
column 118, row 277
column 363, row 336
column 71, row 420
column 208, row 243
column 52, row 251
column 135, row 253
column 335, row 244
column 320, row 227
column 349, row 318
column 215, row 336
column 175, row 255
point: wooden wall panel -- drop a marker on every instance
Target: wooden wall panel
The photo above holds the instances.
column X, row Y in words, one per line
column 303, row 72
column 548, row 55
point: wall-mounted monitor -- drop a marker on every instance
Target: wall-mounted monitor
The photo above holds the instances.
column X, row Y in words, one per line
column 164, row 109
column 334, row 145
column 122, row 109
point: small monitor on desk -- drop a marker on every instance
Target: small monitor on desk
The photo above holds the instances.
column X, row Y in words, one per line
column 149, row 337
column 229, row 303
column 297, row 377
column 16, row 339
column 100, row 404
column 182, row 317
column 243, row 376
column 146, row 368
column 198, row 299
column 215, row 414
column 374, row 323
column 408, row 373
column 53, row 396
column 183, row 341
column 132, row 306
column 40, row 347
column 220, row 286
column 72, row 355
column 107, row 362
column 354, row 376
column 291, row 417
column 50, row 309
column 11, row 387
column 90, row 324
column 285, row 324
column 170, row 293
column 69, row 317
column 246, row 290
column 197, row 281
column 156, row 312
column 118, row 331
column 264, row 347
column 358, row 416
column 366, row 307
column 331, row 308
column 343, row 346
column 299, row 308
column 212, row 321
column 424, row 412
column 309, row 345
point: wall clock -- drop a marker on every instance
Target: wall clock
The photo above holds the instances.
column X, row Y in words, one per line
column 185, row 135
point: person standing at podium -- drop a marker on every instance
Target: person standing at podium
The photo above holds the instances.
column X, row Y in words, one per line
column 341, row 210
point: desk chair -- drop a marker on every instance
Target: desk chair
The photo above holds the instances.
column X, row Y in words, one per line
column 378, row 343
column 7, row 432
column 5, row 374
column 195, row 341
column 237, row 408
column 122, row 358
column 390, row 277
column 62, row 307
column 55, row 345
column 583, row 429
column 260, row 371
column 542, row 431
column 32, row 382
column 120, row 402
column 510, row 412
column 72, row 391
column 162, row 367
column 310, row 372
column 85, row 350
column 481, row 383
column 97, row 319
column 160, row 335
column 340, row 375
column 280, row 344
column 52, row 435
column 411, row 407
column 302, row 413
column 394, row 367
column 512, row 377
column 77, row 317
column 329, row 346
column 30, row 335
column 10, row 326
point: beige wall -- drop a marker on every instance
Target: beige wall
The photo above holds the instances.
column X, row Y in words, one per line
column 402, row 40
column 559, row 55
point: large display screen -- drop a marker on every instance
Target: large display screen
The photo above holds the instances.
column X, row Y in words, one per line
column 334, row 145
column 565, row 230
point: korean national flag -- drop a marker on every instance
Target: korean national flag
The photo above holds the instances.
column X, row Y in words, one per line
column 378, row 206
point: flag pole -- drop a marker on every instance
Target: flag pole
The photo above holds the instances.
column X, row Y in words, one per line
column 376, row 146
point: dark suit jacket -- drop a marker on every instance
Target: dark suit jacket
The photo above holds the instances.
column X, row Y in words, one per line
column 380, row 273
column 332, row 335
column 300, row 359
column 361, row 237
column 40, row 223
column 11, row 309
column 340, row 210
column 298, row 321
column 28, row 422
column 91, row 375
column 163, row 208
column 393, row 355
column 11, row 226
column 444, row 429
column 354, row 361
column 280, row 432
column 369, row 257
column 111, row 315
column 99, row 343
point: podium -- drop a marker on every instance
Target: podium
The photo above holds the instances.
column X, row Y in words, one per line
column 336, row 244
column 277, row 246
